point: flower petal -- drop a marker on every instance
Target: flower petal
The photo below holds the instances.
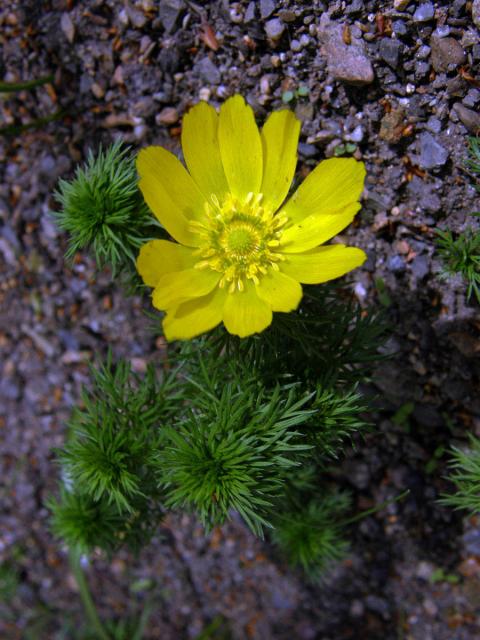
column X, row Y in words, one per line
column 202, row 151
column 280, row 291
column 194, row 317
column 170, row 192
column 245, row 313
column 323, row 263
column 280, row 139
column 316, row 229
column 174, row 288
column 240, row 147
column 158, row 257
column 331, row 186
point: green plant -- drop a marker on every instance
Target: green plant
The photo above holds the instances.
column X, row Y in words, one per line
column 462, row 255
column 102, row 209
column 465, row 475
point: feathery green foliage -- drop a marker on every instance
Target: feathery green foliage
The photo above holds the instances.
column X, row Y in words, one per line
column 109, row 461
column 233, row 451
column 473, row 159
column 465, row 466
column 309, row 531
column 462, row 255
column 103, row 209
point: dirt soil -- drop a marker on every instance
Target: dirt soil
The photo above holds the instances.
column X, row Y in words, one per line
column 394, row 83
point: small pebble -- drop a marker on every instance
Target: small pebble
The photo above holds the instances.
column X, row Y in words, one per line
column 424, row 12
column 274, row 29
column 67, row 27
column 168, row 115
column 267, row 7
column 431, row 152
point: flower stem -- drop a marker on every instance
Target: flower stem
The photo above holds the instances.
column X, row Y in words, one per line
column 86, row 596
column 11, row 87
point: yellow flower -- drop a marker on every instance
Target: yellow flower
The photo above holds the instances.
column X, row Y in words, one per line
column 240, row 252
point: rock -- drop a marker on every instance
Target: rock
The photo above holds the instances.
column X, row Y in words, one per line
column 207, row 71
column 357, row 473
column 249, row 13
column 137, row 18
column 434, row 125
column 346, row 62
column 431, row 152
column 396, row 264
column 399, row 28
column 424, row 12
column 476, row 13
column 390, row 51
column 169, row 12
column 469, row 118
column 274, row 29
column 472, row 98
column 442, row 31
column 400, row 5
column 392, row 125
column 168, row 115
column 447, row 54
column 267, row 7
column 67, row 27
column 422, row 69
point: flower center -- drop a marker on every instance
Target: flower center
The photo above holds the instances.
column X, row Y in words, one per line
column 239, row 239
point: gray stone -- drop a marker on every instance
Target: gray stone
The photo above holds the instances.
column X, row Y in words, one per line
column 434, row 125
column 431, row 153
column 169, row 12
column 399, row 27
column 346, row 62
column 420, row 267
column 207, row 71
column 390, row 50
column 476, row 13
column 267, row 7
column 67, row 27
column 249, row 13
column 274, row 29
column 424, row 12
column 469, row 118
column 357, row 472
column 423, row 52
column 447, row 54
column 472, row 98
column 442, row 31
column 307, row 150
column 422, row 69
column 396, row 264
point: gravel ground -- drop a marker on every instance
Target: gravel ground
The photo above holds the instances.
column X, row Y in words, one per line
column 395, row 84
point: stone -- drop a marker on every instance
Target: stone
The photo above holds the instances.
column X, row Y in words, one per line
column 468, row 117
column 346, row 62
column 274, row 29
column 392, row 126
column 399, row 27
column 396, row 264
column 431, row 153
column 400, row 5
column 424, row 12
column 390, row 50
column 67, row 27
column 168, row 115
column 169, row 12
column 267, row 7
column 472, row 98
column 207, row 71
column 249, row 13
column 476, row 13
column 447, row 54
